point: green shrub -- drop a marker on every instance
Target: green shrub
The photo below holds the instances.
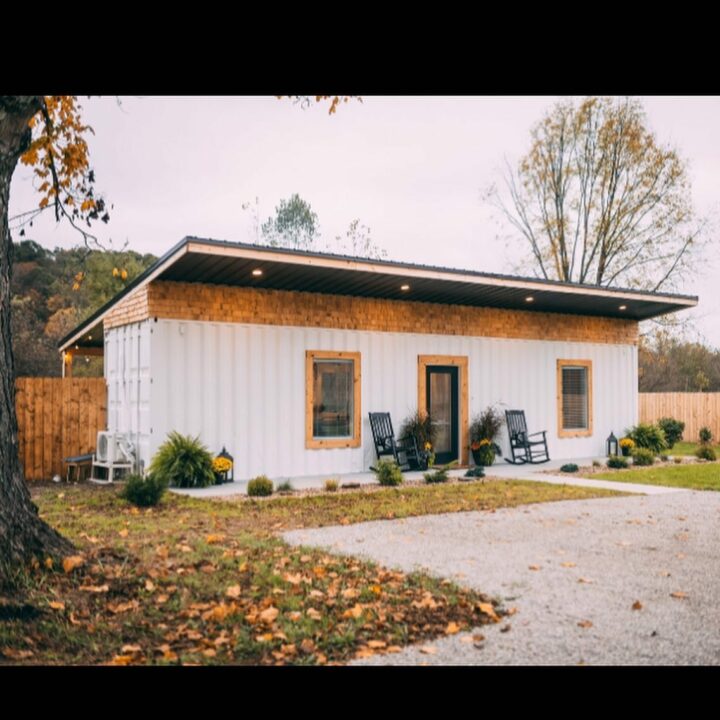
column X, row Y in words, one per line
column 183, row 461
column 143, row 492
column 331, row 485
column 420, row 426
column 261, row 486
column 647, row 436
column 617, row 462
column 643, row 456
column 664, row 457
column 438, row 476
column 388, row 473
column 477, row 471
column 569, row 468
column 706, row 452
column 285, row 487
column 673, row 430
column 677, row 460
column 705, row 435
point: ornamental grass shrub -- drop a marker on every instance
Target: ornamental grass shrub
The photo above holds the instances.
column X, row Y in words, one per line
column 331, row 485
column 705, row 435
column 643, row 456
column 143, row 491
column 388, row 473
column 647, row 436
column 706, row 452
column 617, row 462
column 261, row 486
column 183, row 461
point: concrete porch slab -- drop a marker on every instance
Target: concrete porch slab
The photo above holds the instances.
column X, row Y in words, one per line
column 500, row 469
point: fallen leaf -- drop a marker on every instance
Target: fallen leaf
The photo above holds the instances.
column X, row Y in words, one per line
column 161, row 599
column 505, row 628
column 377, row 644
column 131, row 649
column 293, row 579
column 637, row 605
column 49, row 563
column 162, row 551
column 269, row 615
column 305, row 558
column 185, row 548
column 587, row 581
column 428, row 650
column 214, row 539
column 568, row 564
column 354, row 612
column 489, row 610
column 350, row 593
column 209, row 653
column 363, row 652
column 394, row 649
column 295, row 615
column 452, row 628
column 72, row 561
column 124, row 607
column 95, row 588
column 56, row 605
column 123, row 533
column 307, row 646
column 150, row 586
column 467, row 639
column 679, row 594
column 533, row 567
column 266, row 637
column 16, row 654
column 511, row 611
column 233, row 592
column 121, row 660
column 664, row 573
column 288, row 649
column 585, row 624
column 313, row 614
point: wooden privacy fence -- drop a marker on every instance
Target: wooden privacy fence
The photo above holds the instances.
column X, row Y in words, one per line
column 57, row 418
column 694, row 409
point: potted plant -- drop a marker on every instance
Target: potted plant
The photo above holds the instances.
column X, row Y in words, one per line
column 484, row 429
column 626, row 446
column 423, row 428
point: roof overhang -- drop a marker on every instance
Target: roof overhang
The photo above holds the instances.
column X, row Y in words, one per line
column 197, row 260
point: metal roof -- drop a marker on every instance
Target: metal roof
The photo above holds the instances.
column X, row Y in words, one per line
column 200, row 260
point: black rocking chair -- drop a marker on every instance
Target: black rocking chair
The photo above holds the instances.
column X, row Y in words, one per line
column 404, row 451
column 522, row 447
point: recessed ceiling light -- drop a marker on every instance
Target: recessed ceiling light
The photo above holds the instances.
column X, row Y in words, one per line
column 404, row 287
column 623, row 307
column 257, row 272
column 529, row 298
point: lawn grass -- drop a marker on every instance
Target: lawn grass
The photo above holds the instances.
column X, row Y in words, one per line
column 209, row 582
column 695, row 476
column 683, row 448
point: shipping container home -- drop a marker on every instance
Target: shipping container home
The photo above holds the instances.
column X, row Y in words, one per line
column 279, row 355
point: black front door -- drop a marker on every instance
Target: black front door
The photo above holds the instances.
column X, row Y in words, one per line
column 442, row 404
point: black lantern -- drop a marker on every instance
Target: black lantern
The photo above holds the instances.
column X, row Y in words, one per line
column 228, row 475
column 612, row 445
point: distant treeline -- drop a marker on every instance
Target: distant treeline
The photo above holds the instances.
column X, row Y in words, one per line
column 55, row 290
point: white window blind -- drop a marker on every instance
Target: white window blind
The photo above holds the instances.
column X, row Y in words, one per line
column 574, row 398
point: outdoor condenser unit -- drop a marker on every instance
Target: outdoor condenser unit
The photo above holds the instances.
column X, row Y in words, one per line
column 111, row 448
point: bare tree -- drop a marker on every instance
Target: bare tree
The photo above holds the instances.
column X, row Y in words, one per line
column 598, row 200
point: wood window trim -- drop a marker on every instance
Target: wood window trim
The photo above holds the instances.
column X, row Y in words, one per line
column 574, row 433
column 312, row 443
column 461, row 362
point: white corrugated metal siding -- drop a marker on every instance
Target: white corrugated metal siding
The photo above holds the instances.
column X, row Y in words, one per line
column 127, row 371
column 243, row 386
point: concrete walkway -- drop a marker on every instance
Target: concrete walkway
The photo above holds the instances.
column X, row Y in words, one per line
column 500, row 469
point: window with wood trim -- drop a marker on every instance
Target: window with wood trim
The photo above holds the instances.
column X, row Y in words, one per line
column 574, row 388
column 332, row 391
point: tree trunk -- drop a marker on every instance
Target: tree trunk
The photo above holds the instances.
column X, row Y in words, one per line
column 23, row 535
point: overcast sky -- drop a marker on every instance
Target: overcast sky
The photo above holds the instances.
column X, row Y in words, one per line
column 412, row 169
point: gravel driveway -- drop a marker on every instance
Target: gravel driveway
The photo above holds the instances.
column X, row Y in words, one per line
column 561, row 564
